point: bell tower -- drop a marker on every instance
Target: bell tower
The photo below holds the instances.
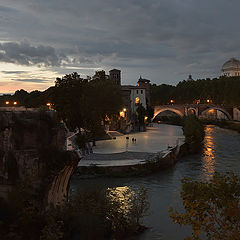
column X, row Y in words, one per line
column 115, row 76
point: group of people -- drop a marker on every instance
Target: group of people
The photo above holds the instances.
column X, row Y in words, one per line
column 133, row 139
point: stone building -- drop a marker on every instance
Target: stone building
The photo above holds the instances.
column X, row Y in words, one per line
column 145, row 83
column 231, row 68
column 115, row 75
column 132, row 95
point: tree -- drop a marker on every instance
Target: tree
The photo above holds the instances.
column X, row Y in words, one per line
column 150, row 113
column 141, row 113
column 70, row 101
column 211, row 208
column 83, row 103
column 193, row 130
column 20, row 96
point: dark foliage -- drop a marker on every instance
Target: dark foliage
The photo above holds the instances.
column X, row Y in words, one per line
column 193, row 130
column 223, row 90
column 89, row 214
column 211, row 208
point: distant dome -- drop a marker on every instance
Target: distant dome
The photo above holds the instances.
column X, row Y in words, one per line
column 231, row 67
column 233, row 63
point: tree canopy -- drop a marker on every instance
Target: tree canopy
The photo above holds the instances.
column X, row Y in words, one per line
column 222, row 90
column 84, row 103
column 193, row 130
column 211, row 208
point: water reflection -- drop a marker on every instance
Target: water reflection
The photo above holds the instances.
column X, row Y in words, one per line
column 122, row 197
column 208, row 160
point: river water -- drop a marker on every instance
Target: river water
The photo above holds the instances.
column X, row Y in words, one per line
column 221, row 153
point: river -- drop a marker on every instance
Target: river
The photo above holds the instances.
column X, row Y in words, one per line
column 221, row 153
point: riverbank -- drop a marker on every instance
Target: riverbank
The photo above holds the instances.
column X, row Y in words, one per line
column 232, row 125
column 131, row 167
column 220, row 153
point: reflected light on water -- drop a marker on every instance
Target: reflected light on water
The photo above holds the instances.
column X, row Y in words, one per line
column 209, row 160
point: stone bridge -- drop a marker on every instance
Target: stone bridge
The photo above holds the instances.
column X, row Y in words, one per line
column 197, row 109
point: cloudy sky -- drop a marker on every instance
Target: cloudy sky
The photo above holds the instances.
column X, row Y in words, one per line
column 162, row 40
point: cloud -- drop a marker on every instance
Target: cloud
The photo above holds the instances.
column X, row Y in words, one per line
column 25, row 54
column 14, row 72
column 165, row 40
column 31, row 80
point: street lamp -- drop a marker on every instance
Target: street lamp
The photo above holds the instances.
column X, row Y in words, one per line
column 7, row 102
column 15, row 103
column 122, row 114
column 49, row 105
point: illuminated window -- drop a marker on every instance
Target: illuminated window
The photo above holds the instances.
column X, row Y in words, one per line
column 137, row 100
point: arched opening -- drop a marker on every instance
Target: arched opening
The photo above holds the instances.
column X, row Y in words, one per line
column 191, row 111
column 167, row 115
column 215, row 114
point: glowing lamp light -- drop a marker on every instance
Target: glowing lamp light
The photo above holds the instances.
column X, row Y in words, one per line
column 122, row 114
column 7, row 102
column 146, row 118
column 124, row 109
column 48, row 104
column 15, row 103
column 208, row 101
column 171, row 101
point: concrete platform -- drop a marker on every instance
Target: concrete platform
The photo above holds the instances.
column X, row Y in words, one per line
column 118, row 159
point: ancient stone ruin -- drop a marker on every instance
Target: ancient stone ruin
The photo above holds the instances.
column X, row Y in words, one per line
column 33, row 148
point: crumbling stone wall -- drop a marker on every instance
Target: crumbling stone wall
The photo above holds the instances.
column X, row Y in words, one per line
column 29, row 144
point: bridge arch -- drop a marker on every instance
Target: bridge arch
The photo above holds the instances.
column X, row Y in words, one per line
column 218, row 109
column 192, row 110
column 178, row 112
